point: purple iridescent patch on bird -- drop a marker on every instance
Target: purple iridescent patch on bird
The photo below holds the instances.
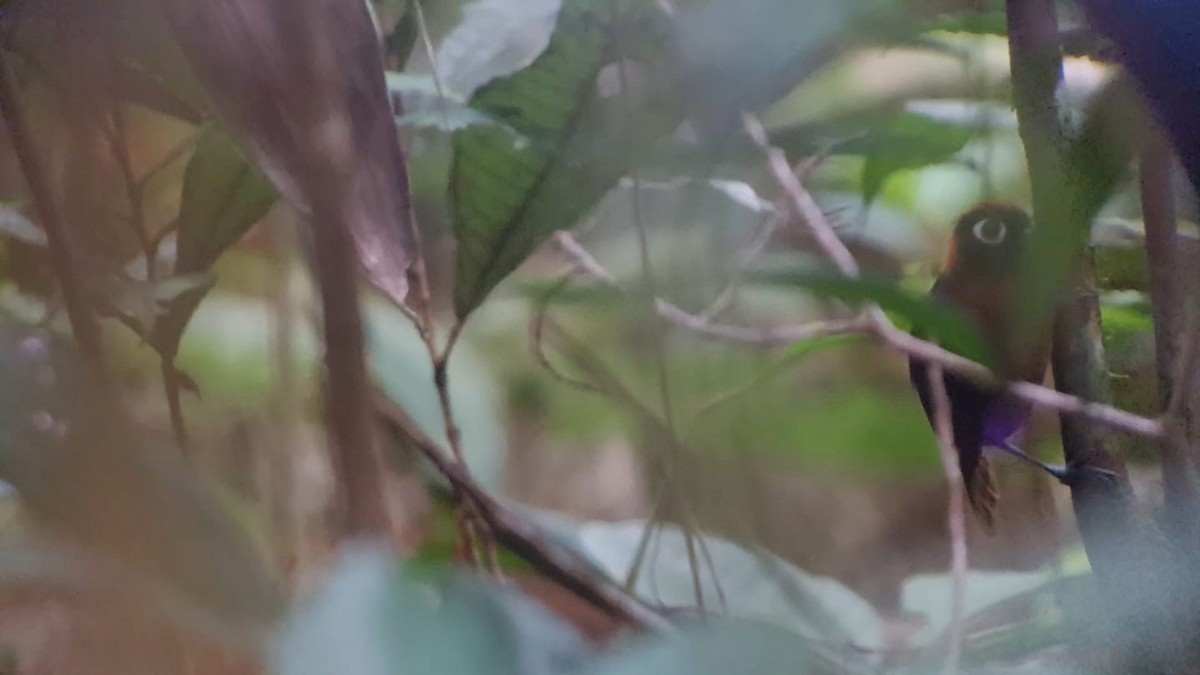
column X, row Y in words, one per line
column 1003, row 420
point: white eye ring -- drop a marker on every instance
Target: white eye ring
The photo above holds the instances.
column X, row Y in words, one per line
column 990, row 231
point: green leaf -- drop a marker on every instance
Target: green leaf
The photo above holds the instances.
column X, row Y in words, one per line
column 223, row 196
column 935, row 320
column 508, row 198
column 911, row 141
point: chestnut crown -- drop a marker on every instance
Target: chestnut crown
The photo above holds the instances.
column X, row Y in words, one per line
column 989, row 238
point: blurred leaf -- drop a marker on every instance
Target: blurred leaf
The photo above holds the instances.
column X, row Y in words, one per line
column 15, row 225
column 376, row 616
column 986, row 22
column 928, row 317
column 930, row 596
column 911, row 141
column 722, row 646
column 509, row 198
column 1124, row 322
column 757, row 50
column 495, row 38
column 84, row 473
column 759, row 586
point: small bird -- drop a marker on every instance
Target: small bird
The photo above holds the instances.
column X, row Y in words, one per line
column 979, row 279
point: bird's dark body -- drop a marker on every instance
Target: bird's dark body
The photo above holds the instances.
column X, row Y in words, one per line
column 978, row 280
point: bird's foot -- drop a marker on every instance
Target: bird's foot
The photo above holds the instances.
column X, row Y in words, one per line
column 1074, row 475
column 1067, row 475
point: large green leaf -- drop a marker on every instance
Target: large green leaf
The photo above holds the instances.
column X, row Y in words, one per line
column 507, row 196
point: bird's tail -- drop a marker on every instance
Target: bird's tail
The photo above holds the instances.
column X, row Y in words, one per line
column 981, row 492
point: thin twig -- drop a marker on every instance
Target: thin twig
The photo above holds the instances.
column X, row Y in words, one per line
column 772, row 336
column 520, row 536
column 955, row 516
column 472, row 534
column 134, row 192
column 83, row 322
column 537, row 340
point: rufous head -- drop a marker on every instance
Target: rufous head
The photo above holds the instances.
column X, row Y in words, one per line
column 989, row 239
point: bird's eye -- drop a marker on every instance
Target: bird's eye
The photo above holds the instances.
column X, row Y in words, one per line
column 990, row 231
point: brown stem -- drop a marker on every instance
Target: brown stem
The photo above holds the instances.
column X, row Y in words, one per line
column 1167, row 289
column 83, row 322
column 347, row 386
